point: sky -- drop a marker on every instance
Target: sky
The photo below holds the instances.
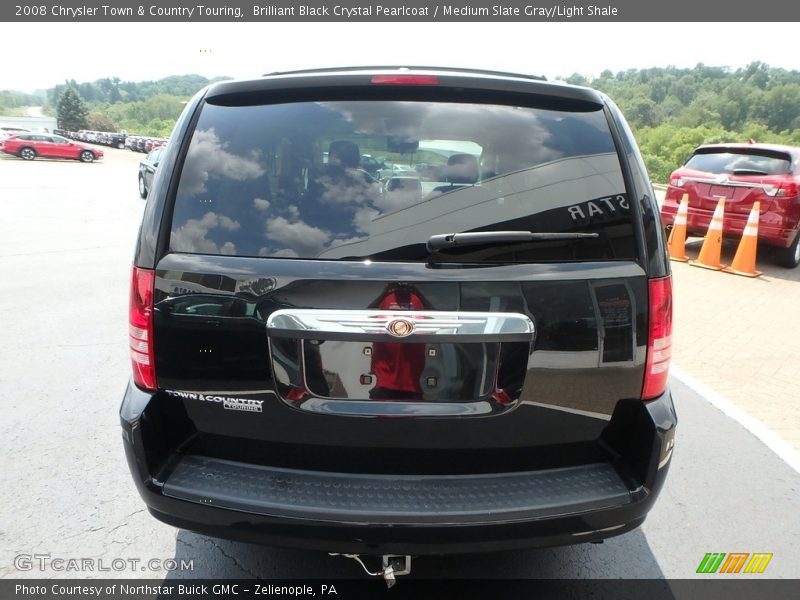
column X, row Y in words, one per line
column 145, row 51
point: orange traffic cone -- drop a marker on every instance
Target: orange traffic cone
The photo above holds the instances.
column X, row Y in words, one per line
column 744, row 263
column 712, row 244
column 677, row 237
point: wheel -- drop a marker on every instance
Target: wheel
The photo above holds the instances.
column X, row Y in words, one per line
column 120, row 145
column 789, row 257
column 27, row 153
column 87, row 156
column 142, row 187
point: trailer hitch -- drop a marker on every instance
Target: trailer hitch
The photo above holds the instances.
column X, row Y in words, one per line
column 392, row 566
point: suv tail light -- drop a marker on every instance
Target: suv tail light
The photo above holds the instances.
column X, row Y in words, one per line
column 677, row 181
column 789, row 190
column 659, row 339
column 778, row 186
column 140, row 322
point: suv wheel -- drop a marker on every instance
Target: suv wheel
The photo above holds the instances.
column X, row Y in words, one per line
column 27, row 153
column 789, row 257
column 142, row 187
column 87, row 156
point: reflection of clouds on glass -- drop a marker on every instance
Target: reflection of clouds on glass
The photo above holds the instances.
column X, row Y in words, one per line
column 407, row 192
column 349, row 187
column 285, row 253
column 208, row 156
column 191, row 237
column 372, row 118
column 517, row 131
column 299, row 237
column 363, row 219
column 516, row 137
column 260, row 204
column 290, row 202
column 352, row 240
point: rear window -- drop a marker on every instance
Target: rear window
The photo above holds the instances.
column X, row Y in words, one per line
column 355, row 180
column 744, row 162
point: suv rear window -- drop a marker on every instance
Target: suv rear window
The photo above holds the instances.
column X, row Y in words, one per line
column 744, row 162
column 352, row 180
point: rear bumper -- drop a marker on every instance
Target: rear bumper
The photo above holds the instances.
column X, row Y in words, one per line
column 411, row 514
column 774, row 228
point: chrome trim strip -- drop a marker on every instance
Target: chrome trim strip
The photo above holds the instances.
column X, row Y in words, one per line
column 728, row 183
column 376, row 408
column 312, row 321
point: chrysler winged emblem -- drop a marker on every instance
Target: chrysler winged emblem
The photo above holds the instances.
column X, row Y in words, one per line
column 400, row 327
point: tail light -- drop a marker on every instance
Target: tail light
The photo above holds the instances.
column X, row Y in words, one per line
column 140, row 322
column 405, row 80
column 677, row 181
column 787, row 190
column 659, row 339
column 778, row 186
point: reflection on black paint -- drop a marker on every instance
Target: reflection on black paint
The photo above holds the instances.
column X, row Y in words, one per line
column 616, row 316
column 398, row 367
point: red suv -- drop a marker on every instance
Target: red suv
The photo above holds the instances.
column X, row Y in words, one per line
column 742, row 174
column 30, row 145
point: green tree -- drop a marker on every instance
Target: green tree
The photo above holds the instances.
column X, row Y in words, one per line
column 100, row 122
column 72, row 111
column 640, row 111
column 779, row 107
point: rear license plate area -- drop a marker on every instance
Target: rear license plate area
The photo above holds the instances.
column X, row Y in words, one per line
column 388, row 371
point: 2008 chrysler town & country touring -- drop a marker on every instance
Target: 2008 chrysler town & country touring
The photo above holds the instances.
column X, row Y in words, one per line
column 469, row 354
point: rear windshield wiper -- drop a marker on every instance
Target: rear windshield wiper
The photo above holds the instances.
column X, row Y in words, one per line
column 749, row 172
column 477, row 238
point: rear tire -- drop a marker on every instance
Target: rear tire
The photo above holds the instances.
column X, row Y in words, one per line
column 142, row 187
column 87, row 156
column 27, row 154
column 789, row 257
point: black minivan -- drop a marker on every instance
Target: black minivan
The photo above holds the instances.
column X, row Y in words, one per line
column 468, row 354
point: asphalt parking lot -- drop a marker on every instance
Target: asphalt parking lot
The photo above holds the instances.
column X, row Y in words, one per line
column 66, row 242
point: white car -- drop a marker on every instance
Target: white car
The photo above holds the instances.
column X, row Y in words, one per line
column 397, row 170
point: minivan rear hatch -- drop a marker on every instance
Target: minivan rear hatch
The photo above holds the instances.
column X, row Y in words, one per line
column 299, row 301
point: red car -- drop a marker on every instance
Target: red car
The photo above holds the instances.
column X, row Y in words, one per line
column 742, row 174
column 30, row 145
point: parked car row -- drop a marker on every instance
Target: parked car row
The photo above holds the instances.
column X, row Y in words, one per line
column 143, row 144
column 106, row 138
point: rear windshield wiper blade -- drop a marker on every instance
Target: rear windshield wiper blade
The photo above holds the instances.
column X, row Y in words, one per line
column 749, row 172
column 477, row 238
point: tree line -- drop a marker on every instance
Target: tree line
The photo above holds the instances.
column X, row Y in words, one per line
column 13, row 103
column 110, row 104
column 672, row 111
